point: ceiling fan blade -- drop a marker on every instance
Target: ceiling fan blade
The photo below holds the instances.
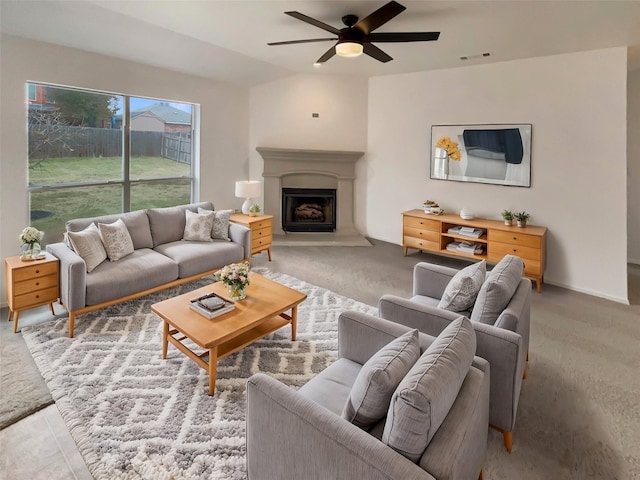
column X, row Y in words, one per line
column 302, row 41
column 403, row 37
column 379, row 17
column 327, row 55
column 314, row 22
column 376, row 53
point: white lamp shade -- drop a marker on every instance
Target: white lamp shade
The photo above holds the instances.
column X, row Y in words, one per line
column 349, row 49
column 248, row 189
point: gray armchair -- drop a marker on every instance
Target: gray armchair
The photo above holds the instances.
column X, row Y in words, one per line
column 304, row 434
column 502, row 341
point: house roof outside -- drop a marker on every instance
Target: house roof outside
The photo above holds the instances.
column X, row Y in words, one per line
column 164, row 112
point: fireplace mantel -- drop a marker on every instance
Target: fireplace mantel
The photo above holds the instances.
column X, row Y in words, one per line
column 290, row 167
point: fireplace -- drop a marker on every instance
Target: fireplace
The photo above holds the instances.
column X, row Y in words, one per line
column 311, row 169
column 308, row 209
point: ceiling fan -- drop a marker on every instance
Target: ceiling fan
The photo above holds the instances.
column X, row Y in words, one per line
column 356, row 37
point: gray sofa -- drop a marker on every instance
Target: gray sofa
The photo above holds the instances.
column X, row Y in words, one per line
column 500, row 317
column 160, row 259
column 307, row 434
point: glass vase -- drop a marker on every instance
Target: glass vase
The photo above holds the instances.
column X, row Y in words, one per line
column 237, row 292
column 30, row 251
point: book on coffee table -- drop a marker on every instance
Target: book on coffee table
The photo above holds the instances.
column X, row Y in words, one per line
column 211, row 305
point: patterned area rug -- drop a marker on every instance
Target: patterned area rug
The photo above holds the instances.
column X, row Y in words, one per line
column 136, row 416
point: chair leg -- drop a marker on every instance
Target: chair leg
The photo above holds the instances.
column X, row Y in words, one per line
column 508, row 440
column 480, row 477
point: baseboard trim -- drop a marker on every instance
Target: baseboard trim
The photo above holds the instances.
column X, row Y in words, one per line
column 593, row 293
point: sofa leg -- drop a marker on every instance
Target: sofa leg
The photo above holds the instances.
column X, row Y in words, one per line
column 524, row 372
column 72, row 321
column 508, row 440
column 480, row 477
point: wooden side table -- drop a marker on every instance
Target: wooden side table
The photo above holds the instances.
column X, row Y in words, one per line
column 31, row 284
column 261, row 231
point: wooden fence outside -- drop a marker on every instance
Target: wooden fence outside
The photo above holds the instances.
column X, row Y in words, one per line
column 64, row 141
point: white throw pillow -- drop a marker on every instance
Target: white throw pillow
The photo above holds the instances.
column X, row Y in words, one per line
column 88, row 244
column 116, row 239
column 463, row 288
column 220, row 228
column 198, row 226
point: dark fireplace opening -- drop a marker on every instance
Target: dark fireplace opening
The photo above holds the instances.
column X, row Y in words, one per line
column 308, row 209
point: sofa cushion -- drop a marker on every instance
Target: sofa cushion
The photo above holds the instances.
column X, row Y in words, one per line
column 462, row 290
column 167, row 223
column 116, row 239
column 197, row 257
column 371, row 393
column 220, row 229
column 88, row 244
column 331, row 387
column 198, row 226
column 497, row 290
column 424, row 397
column 137, row 223
column 141, row 270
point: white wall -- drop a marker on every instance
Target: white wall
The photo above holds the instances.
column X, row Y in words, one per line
column 633, row 164
column 577, row 105
column 281, row 116
column 224, row 113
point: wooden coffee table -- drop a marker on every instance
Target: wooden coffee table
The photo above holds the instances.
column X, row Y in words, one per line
column 262, row 312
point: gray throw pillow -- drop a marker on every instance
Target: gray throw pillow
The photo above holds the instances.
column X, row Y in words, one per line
column 198, row 226
column 116, row 239
column 369, row 399
column 220, row 228
column 497, row 290
column 463, row 288
column 88, row 244
column 426, row 394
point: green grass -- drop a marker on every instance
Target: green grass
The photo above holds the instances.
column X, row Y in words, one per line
column 67, row 204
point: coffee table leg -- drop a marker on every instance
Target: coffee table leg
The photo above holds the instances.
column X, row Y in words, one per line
column 165, row 335
column 294, row 322
column 213, row 364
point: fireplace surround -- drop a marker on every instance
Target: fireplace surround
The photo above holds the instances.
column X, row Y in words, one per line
column 310, row 169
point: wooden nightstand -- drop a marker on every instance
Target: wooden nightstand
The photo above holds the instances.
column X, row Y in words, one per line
column 261, row 231
column 31, row 284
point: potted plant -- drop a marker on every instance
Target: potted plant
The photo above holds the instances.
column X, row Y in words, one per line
column 521, row 218
column 254, row 210
column 507, row 216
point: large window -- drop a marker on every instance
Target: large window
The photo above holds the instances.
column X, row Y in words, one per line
column 84, row 160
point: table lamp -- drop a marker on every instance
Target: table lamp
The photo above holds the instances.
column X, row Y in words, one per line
column 248, row 189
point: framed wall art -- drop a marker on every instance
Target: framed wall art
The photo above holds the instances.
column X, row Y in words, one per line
column 494, row 153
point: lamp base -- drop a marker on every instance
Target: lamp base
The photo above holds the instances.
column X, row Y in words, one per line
column 246, row 206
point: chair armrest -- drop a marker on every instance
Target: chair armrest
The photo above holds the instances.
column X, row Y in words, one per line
column 361, row 335
column 431, row 280
column 73, row 276
column 241, row 234
column 505, row 352
column 290, row 436
column 429, row 320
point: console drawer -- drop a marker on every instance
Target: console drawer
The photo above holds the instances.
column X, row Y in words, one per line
column 428, row 235
column 420, row 244
column 502, row 249
column 421, row 223
column 531, row 267
column 514, row 238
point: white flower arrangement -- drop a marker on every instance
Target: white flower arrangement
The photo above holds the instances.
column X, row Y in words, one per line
column 31, row 235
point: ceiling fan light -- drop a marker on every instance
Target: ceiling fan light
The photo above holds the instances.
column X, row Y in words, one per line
column 349, row 49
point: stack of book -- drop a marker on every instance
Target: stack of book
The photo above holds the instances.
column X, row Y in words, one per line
column 466, row 247
column 211, row 305
column 466, row 231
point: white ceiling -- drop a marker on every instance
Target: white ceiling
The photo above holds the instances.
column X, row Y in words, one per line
column 227, row 40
